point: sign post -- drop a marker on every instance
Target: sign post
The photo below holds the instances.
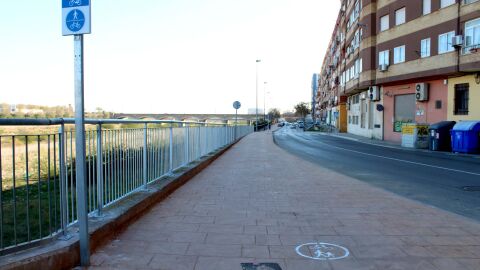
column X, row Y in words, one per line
column 76, row 21
column 236, row 106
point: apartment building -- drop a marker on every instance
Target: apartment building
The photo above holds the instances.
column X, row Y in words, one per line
column 315, row 77
column 331, row 103
column 405, row 62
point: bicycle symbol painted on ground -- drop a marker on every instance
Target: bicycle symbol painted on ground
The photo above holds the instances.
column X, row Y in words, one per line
column 75, row 20
column 322, row 251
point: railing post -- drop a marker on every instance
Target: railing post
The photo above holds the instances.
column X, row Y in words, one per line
column 170, row 156
column 144, row 171
column 227, row 134
column 63, row 181
column 99, row 171
column 187, row 144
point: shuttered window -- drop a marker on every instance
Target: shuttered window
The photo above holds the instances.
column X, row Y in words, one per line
column 404, row 111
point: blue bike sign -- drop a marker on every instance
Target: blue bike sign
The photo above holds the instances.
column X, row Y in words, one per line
column 75, row 3
column 76, row 17
column 75, row 20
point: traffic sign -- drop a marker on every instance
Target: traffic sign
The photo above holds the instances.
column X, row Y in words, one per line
column 76, row 17
column 236, row 105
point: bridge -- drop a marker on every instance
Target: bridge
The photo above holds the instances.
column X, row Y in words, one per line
column 208, row 118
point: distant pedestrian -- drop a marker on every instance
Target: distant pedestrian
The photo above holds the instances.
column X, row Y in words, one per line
column 269, row 125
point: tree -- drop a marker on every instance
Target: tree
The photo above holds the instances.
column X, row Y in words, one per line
column 302, row 109
column 4, row 110
column 274, row 113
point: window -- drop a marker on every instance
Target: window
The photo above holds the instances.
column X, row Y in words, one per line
column 400, row 16
column 383, row 58
column 356, row 39
column 399, row 54
column 425, row 48
column 354, row 15
column 427, row 7
column 356, row 99
column 461, row 99
column 472, row 34
column 445, row 42
column 446, row 3
column 384, row 23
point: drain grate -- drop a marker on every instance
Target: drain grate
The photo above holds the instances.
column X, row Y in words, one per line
column 471, row 188
column 261, row 266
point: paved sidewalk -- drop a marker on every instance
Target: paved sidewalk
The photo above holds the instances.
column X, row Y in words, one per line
column 257, row 203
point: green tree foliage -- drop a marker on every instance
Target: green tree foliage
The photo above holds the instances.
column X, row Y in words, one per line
column 39, row 111
column 302, row 109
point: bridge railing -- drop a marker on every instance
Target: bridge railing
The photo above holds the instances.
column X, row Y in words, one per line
column 38, row 199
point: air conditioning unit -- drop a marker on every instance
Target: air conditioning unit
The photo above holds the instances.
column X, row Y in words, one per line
column 421, row 91
column 374, row 92
column 457, row 41
column 383, row 67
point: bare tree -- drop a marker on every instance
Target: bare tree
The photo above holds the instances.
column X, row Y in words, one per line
column 274, row 114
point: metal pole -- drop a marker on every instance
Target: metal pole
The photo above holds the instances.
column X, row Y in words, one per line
column 63, row 186
column 256, row 96
column 187, row 144
column 170, row 156
column 144, row 170
column 236, row 122
column 82, row 211
column 264, row 96
column 99, row 171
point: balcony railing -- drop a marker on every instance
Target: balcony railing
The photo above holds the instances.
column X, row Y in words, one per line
column 37, row 168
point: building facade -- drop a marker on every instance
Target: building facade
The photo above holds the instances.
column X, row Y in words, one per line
column 315, row 77
column 404, row 62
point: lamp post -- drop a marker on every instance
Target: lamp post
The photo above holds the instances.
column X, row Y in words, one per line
column 264, row 96
column 256, row 96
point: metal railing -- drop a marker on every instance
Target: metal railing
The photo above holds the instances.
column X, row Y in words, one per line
column 37, row 171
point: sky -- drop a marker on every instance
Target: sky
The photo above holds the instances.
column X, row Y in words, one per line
column 167, row 56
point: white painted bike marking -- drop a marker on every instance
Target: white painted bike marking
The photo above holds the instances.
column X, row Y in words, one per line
column 323, row 251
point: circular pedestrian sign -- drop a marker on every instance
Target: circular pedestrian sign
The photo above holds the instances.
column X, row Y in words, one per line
column 322, row 251
column 75, row 20
column 236, row 105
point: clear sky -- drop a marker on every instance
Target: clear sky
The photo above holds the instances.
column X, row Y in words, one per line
column 167, row 56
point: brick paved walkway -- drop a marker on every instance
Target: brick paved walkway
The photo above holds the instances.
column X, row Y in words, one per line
column 257, row 203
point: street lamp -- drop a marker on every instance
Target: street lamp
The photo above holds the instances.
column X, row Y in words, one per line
column 256, row 95
column 264, row 96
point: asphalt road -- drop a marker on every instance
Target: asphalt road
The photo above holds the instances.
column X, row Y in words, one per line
column 434, row 178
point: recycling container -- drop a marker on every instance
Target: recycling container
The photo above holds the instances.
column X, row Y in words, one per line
column 439, row 136
column 415, row 135
column 466, row 137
